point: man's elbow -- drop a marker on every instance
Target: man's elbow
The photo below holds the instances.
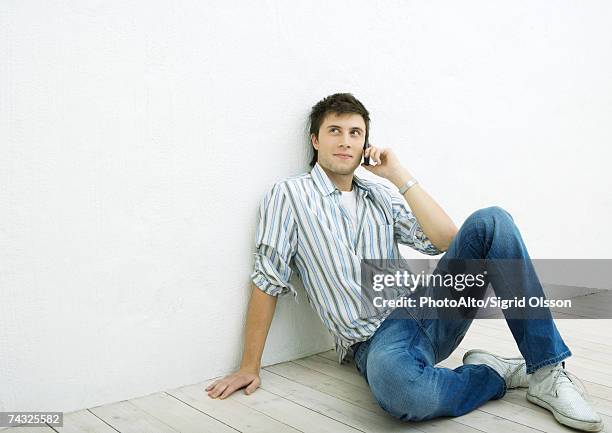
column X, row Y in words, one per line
column 448, row 239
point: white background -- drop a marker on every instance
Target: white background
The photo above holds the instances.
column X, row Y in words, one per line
column 138, row 137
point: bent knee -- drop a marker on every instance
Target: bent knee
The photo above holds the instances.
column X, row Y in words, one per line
column 491, row 215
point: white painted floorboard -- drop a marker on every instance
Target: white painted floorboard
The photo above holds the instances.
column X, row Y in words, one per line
column 316, row 394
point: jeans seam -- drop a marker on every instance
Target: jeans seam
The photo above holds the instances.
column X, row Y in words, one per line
column 513, row 293
column 429, row 339
column 555, row 359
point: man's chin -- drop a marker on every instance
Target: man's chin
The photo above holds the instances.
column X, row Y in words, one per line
column 338, row 168
column 343, row 169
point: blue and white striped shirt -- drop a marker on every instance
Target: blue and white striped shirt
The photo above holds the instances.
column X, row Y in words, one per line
column 303, row 223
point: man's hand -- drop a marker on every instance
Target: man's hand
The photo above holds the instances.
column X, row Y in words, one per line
column 435, row 223
column 387, row 165
column 225, row 387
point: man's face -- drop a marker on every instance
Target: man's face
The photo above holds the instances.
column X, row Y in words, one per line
column 340, row 142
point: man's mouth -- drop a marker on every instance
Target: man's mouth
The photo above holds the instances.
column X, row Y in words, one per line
column 343, row 155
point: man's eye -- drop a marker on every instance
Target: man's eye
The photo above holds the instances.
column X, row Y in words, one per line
column 333, row 129
column 358, row 132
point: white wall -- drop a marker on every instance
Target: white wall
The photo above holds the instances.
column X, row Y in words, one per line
column 137, row 139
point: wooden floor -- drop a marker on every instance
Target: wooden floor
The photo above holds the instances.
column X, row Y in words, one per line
column 316, row 394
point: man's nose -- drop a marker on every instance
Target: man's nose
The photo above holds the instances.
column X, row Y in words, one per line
column 346, row 142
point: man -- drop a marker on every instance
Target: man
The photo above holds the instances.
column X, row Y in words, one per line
column 328, row 220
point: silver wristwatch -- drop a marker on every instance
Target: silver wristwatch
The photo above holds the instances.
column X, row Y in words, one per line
column 405, row 187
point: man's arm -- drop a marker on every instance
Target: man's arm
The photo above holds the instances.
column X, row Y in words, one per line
column 435, row 223
column 275, row 245
column 259, row 317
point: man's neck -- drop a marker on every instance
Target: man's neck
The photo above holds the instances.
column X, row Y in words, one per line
column 344, row 182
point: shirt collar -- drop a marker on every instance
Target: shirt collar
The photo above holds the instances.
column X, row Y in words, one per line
column 327, row 187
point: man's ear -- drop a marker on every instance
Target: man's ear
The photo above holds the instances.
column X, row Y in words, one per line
column 314, row 141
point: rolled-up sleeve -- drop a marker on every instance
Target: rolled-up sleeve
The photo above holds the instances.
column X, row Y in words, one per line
column 407, row 230
column 275, row 244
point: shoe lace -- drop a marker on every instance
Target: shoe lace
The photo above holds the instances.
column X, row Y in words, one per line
column 561, row 376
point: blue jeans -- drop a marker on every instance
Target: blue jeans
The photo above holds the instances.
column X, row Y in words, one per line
column 398, row 360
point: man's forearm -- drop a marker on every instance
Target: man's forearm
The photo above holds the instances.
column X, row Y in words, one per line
column 436, row 224
column 259, row 317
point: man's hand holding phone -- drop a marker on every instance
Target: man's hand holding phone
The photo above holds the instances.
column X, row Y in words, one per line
column 387, row 164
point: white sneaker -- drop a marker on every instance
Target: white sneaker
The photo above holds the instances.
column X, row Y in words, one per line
column 513, row 370
column 553, row 389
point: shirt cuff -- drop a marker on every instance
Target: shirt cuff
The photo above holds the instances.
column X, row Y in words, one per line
column 267, row 279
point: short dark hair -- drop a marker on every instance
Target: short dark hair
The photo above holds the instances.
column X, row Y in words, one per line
column 339, row 103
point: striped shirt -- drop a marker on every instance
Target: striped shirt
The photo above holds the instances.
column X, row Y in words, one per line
column 303, row 224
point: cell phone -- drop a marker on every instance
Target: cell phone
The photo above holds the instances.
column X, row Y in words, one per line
column 366, row 160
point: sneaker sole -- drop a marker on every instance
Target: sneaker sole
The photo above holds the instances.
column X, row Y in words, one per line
column 565, row 420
